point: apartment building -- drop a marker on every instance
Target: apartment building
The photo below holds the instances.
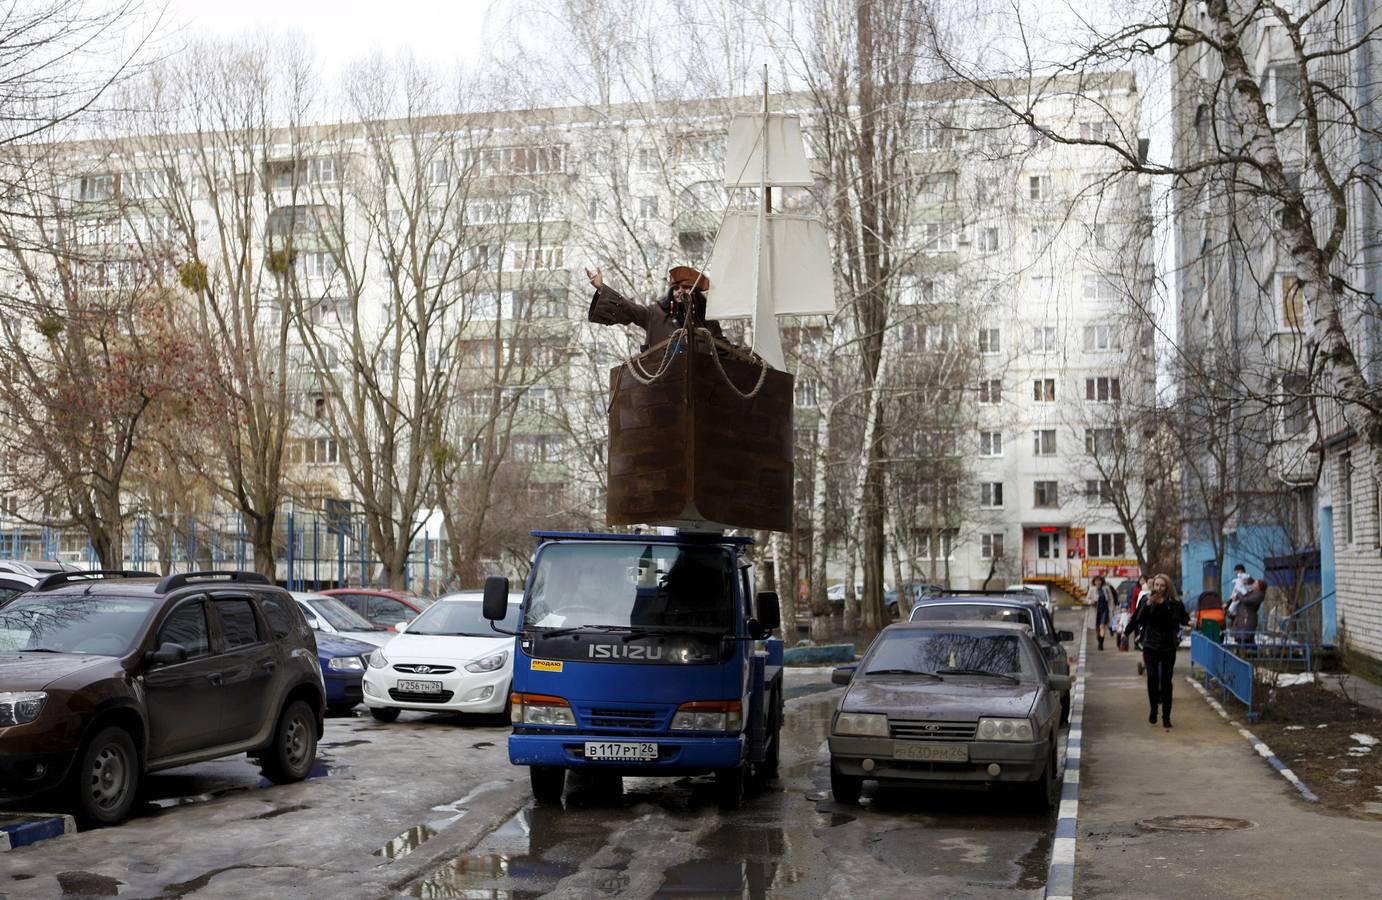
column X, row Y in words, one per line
column 456, row 295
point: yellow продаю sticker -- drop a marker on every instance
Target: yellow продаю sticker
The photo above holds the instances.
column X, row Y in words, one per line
column 546, row 665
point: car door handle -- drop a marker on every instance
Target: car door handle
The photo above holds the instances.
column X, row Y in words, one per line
column 214, row 678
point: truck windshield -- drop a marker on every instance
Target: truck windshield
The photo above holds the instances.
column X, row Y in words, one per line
column 633, row 586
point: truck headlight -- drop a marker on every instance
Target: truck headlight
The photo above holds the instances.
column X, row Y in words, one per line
column 543, row 710
column 21, row 707
column 346, row 664
column 867, row 724
column 1004, row 730
column 709, row 715
column 488, row 663
column 377, row 660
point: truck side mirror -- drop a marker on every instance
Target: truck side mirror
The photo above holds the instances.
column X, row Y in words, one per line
column 496, row 603
column 769, row 611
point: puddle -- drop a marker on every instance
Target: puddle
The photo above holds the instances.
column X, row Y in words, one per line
column 741, row 860
column 354, row 743
column 143, row 868
column 281, row 811
column 418, row 835
column 88, row 884
column 1194, row 823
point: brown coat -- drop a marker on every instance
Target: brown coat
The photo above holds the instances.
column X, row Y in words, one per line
column 609, row 307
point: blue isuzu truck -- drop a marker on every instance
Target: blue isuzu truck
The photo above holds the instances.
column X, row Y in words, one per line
column 639, row 655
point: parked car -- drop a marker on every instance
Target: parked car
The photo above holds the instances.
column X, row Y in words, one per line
column 915, row 592
column 343, row 662
column 836, row 594
column 1041, row 591
column 1022, row 608
column 946, row 703
column 19, row 575
column 12, row 584
column 448, row 659
column 106, row 676
column 330, row 615
column 386, row 608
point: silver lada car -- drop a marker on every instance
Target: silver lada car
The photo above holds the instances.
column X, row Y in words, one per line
column 949, row 702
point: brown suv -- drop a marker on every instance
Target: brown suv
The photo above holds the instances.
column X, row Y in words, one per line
column 106, row 675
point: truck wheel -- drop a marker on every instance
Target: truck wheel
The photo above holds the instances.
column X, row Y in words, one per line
column 548, row 783
column 846, row 788
column 729, row 788
column 289, row 757
column 105, row 781
column 384, row 713
column 767, row 770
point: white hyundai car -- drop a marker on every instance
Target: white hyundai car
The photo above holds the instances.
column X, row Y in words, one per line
column 448, row 659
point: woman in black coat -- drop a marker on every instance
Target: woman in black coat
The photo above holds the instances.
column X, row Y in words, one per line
column 1160, row 617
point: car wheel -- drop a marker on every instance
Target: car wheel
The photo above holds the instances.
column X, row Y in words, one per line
column 548, row 782
column 729, row 788
column 294, row 748
column 1045, row 791
column 106, row 779
column 846, row 788
column 384, row 713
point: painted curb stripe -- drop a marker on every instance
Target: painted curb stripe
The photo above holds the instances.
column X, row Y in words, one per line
column 23, row 834
column 1257, row 744
column 1060, row 876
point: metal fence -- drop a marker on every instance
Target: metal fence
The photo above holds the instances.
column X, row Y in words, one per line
column 1234, row 675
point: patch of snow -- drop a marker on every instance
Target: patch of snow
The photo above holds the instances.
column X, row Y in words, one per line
column 1295, row 727
column 1366, row 740
column 1359, row 751
column 1296, row 679
column 1350, row 771
column 1321, row 726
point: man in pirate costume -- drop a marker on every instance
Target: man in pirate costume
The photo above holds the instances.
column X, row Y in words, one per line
column 686, row 289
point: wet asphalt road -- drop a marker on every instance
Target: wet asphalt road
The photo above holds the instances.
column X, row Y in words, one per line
column 429, row 807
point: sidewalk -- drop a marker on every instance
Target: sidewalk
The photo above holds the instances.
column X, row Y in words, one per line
column 1133, row 772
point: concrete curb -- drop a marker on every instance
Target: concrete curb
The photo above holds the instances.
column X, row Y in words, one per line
column 1262, row 749
column 1060, row 875
column 23, row 829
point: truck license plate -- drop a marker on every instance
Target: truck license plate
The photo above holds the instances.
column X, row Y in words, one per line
column 420, row 687
column 620, row 750
column 931, row 752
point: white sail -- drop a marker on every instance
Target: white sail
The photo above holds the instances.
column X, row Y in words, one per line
column 799, row 252
column 787, row 166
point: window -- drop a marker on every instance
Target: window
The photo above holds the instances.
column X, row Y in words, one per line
column 1044, row 442
column 1101, row 441
column 1284, row 89
column 939, row 237
column 647, row 208
column 1044, row 339
column 1099, row 289
column 1292, row 302
column 1101, row 337
column 937, row 188
column 1039, row 187
column 943, row 493
column 805, row 393
column 1044, row 390
column 187, row 626
column 1099, row 492
column 316, row 264
column 1109, row 545
column 991, row 494
column 596, row 211
column 96, row 187
column 941, row 336
column 988, row 240
column 990, row 340
column 238, row 625
column 647, row 159
column 323, row 170
column 991, row 545
column 521, row 160
column 1097, row 131
column 539, row 258
column 947, row 545
column 1099, row 235
column 1295, row 403
column 438, row 171
column 321, row 451
column 1346, row 494
column 1044, row 494
column 1102, row 389
column 280, row 619
column 991, row 391
column 990, row 443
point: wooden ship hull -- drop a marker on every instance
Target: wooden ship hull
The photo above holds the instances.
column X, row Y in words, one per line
column 688, row 449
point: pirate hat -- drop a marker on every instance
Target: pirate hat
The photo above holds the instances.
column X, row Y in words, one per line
column 687, row 275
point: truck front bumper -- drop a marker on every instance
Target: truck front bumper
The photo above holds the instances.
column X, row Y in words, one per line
column 676, row 755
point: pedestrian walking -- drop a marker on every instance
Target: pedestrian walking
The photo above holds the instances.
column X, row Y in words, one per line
column 1137, row 591
column 1159, row 619
column 1101, row 595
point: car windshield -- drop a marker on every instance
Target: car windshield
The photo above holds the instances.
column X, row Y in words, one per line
column 461, row 617
column 338, row 615
column 81, row 623
column 942, row 652
column 633, row 586
column 971, row 612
